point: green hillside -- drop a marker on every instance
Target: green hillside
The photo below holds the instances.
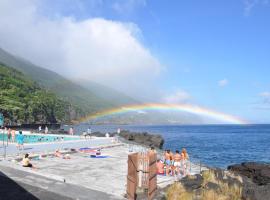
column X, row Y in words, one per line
column 104, row 92
column 22, row 101
column 85, row 100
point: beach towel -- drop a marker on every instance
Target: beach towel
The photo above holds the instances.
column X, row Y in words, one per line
column 98, row 156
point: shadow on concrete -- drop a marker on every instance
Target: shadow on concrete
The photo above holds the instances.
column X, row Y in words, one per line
column 9, row 189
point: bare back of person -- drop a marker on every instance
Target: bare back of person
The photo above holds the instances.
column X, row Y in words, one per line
column 177, row 157
column 167, row 156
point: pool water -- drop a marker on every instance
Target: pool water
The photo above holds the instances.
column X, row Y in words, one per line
column 42, row 138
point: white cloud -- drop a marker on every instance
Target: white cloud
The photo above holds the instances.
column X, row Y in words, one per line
column 265, row 97
column 127, row 6
column 265, row 94
column 179, row 96
column 223, row 82
column 250, row 4
column 105, row 51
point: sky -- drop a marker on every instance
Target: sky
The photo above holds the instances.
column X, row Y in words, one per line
column 213, row 54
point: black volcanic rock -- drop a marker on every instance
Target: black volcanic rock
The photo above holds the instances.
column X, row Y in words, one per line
column 259, row 173
column 192, row 182
column 256, row 179
column 143, row 138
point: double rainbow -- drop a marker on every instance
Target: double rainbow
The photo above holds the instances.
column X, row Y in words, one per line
column 222, row 117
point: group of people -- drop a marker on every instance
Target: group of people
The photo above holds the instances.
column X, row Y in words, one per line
column 26, row 160
column 11, row 134
column 46, row 130
column 174, row 163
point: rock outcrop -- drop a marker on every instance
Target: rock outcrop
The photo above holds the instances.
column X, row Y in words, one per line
column 144, row 138
column 246, row 181
column 256, row 179
column 259, row 173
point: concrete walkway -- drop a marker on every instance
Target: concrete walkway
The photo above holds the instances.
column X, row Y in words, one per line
column 17, row 184
column 80, row 177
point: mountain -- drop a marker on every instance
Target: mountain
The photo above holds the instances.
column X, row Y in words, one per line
column 86, row 99
column 104, row 92
column 23, row 101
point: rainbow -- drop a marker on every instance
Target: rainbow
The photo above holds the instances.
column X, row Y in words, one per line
column 194, row 109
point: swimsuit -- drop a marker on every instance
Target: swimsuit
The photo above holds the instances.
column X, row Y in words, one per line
column 168, row 162
column 177, row 164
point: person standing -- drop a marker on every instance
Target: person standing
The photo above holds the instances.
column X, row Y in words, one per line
column 71, row 131
column 177, row 162
column 46, row 130
column 9, row 135
column 13, row 134
column 89, row 131
column 185, row 161
column 39, row 129
column 20, row 140
column 168, row 161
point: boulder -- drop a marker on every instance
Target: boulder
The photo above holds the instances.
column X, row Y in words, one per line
column 212, row 186
column 256, row 179
column 259, row 173
column 192, row 182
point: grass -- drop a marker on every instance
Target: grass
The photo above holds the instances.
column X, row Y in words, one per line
column 225, row 192
column 178, row 192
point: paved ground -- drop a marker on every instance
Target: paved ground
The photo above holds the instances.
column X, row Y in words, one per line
column 16, row 184
column 81, row 177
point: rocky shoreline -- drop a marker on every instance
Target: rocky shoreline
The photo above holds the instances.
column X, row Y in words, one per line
column 246, row 181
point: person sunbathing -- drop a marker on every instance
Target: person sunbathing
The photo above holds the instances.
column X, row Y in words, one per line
column 66, row 156
column 26, row 162
column 60, row 155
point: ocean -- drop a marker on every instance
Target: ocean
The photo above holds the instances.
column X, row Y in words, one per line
column 213, row 145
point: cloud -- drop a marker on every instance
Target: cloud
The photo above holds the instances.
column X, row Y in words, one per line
column 179, row 96
column 127, row 6
column 223, row 82
column 263, row 103
column 250, row 4
column 265, row 97
column 106, row 51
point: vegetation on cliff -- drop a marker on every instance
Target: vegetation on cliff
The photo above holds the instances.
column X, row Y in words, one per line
column 23, row 101
column 87, row 98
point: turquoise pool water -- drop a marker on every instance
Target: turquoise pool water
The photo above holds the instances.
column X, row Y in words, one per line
column 42, row 138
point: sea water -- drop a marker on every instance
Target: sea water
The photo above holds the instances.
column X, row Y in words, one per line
column 213, row 145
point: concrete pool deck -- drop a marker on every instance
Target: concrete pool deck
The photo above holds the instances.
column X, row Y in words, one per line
column 87, row 177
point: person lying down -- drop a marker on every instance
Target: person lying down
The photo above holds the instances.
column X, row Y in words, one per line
column 58, row 154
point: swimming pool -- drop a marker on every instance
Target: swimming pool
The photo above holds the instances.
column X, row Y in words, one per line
column 35, row 138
